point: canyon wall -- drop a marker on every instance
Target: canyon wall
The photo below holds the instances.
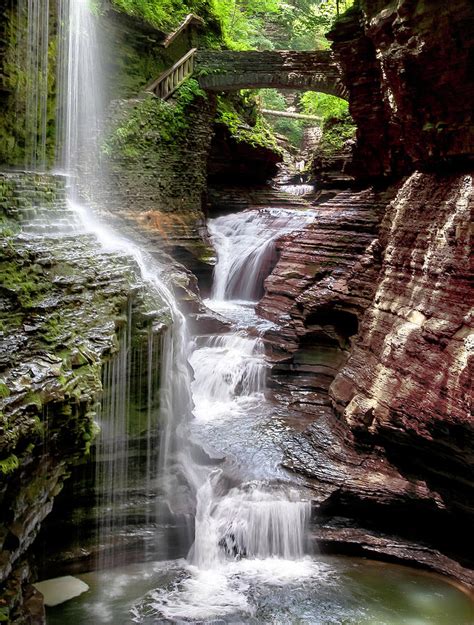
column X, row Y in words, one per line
column 408, row 68
column 64, row 304
column 376, row 351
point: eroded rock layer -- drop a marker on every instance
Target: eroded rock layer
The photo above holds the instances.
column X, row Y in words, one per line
column 63, row 302
column 375, row 354
column 408, row 380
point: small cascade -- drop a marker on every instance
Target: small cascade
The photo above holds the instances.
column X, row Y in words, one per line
column 226, row 368
column 261, row 521
column 245, row 246
column 297, row 189
column 251, row 521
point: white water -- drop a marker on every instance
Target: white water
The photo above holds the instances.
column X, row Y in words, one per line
column 250, row 522
column 32, row 58
column 81, row 80
column 227, row 369
column 297, row 189
column 245, row 245
column 81, row 112
column 257, row 529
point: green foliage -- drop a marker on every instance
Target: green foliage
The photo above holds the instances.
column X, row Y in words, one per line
column 243, row 21
column 336, row 131
column 154, row 120
column 323, row 105
column 15, row 84
column 338, row 126
column 293, row 129
column 303, row 24
column 164, row 14
column 244, row 121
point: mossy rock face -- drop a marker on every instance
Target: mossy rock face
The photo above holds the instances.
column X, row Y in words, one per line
column 65, row 305
column 17, row 144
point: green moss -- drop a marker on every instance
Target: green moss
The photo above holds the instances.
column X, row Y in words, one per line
column 22, row 283
column 4, row 390
column 244, row 122
column 336, row 131
column 154, row 120
column 9, row 465
column 34, row 399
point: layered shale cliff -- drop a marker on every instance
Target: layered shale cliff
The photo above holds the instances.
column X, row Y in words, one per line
column 64, row 306
column 374, row 299
column 408, row 69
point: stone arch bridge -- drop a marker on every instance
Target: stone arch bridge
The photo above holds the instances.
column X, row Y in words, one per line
column 228, row 70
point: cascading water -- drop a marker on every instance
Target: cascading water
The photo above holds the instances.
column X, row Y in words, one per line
column 249, row 522
column 80, row 119
column 33, row 46
column 297, row 189
column 245, row 244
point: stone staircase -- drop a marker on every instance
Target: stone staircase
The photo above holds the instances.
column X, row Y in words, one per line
column 38, row 201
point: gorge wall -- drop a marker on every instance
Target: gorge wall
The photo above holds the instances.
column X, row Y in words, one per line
column 375, row 354
column 408, row 68
column 375, row 298
column 64, row 306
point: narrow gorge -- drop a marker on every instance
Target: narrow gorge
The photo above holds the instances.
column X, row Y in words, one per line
column 236, row 323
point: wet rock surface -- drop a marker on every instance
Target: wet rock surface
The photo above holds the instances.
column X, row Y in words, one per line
column 374, row 352
column 63, row 302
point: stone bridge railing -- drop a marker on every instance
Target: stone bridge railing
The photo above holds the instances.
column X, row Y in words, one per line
column 228, row 70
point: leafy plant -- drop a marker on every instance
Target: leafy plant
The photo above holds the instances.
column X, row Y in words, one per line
column 323, row 105
column 244, row 121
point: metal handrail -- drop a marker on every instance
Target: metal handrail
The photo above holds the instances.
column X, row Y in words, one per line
column 167, row 83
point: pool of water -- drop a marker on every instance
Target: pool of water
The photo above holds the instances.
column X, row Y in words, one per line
column 316, row 591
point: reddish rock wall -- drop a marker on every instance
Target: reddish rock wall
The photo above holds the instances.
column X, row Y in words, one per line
column 408, row 67
column 375, row 353
column 374, row 361
column 408, row 380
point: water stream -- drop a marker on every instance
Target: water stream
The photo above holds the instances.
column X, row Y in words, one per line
column 218, row 460
column 251, row 561
column 81, row 111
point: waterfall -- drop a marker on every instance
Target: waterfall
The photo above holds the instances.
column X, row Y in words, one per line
column 297, row 189
column 81, row 102
column 245, row 245
column 80, row 119
column 33, row 48
column 256, row 520
column 251, row 521
column 225, row 368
